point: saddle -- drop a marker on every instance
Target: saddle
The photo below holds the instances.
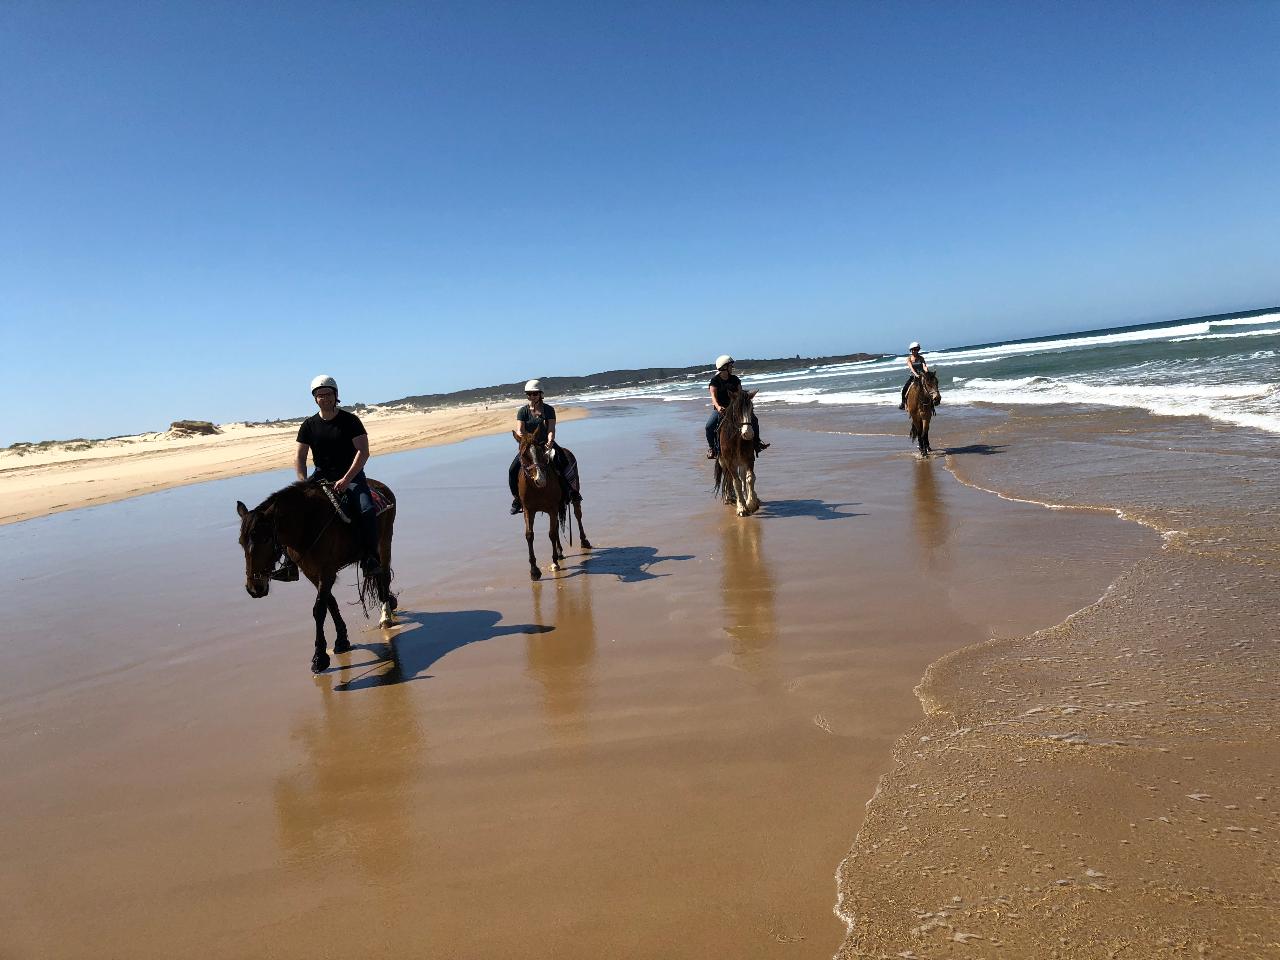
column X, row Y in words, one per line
column 380, row 502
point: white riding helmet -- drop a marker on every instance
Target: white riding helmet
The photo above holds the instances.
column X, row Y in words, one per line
column 323, row 381
column 722, row 360
column 915, row 345
column 533, row 386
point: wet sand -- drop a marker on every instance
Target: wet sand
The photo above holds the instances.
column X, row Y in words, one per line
column 664, row 751
column 75, row 474
column 1107, row 787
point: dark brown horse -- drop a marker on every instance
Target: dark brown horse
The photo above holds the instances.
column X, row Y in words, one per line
column 542, row 491
column 735, row 471
column 301, row 521
column 922, row 397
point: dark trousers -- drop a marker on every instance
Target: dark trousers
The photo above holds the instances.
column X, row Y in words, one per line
column 713, row 430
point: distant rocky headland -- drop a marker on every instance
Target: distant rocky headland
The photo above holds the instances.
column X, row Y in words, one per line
column 501, row 392
column 614, row 379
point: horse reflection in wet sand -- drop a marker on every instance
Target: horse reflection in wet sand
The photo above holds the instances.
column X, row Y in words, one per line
column 735, row 470
column 300, row 520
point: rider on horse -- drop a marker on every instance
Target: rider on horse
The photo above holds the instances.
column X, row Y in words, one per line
column 539, row 419
column 721, row 385
column 339, row 446
column 918, row 368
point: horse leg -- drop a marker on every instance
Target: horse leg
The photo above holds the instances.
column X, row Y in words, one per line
column 341, row 644
column 753, row 502
column 554, row 533
column 320, row 661
column 925, row 448
column 534, row 572
column 740, row 489
column 385, row 598
column 582, row 534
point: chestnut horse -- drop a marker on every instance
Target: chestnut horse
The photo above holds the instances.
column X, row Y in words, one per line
column 922, row 397
column 735, row 471
column 541, row 491
column 301, row 521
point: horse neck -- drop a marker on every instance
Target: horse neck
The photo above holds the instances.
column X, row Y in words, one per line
column 296, row 512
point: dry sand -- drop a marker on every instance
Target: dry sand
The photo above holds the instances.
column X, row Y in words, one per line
column 86, row 473
column 663, row 751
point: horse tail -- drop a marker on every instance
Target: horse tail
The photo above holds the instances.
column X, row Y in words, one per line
column 718, row 475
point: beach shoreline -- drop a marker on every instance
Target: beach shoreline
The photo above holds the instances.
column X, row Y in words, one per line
column 56, row 477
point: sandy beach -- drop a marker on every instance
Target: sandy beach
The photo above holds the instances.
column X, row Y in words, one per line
column 66, row 476
column 694, row 741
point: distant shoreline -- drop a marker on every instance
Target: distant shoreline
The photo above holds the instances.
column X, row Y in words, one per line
column 56, row 476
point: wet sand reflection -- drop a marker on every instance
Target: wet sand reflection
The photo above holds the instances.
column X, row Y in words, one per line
column 746, row 585
column 561, row 661
column 929, row 520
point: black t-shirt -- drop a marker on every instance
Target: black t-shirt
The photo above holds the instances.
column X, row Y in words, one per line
column 724, row 387
column 537, row 423
column 330, row 442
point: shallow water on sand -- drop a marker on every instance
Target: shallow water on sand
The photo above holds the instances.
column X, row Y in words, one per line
column 1107, row 787
column 662, row 751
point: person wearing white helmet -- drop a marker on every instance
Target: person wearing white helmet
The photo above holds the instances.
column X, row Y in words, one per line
column 339, row 447
column 722, row 384
column 537, row 418
column 918, row 368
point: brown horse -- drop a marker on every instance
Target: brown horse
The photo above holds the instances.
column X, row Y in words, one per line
column 541, row 491
column 922, row 397
column 735, row 471
column 301, row 521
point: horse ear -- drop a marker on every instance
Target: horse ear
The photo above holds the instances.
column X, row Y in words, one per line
column 516, row 435
column 752, row 394
column 241, row 508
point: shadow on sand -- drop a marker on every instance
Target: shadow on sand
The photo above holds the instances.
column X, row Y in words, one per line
column 422, row 639
column 628, row 564
column 818, row 509
column 984, row 449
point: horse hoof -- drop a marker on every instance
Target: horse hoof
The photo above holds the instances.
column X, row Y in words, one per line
column 586, row 545
column 342, row 645
column 320, row 663
column 742, row 512
column 395, row 604
column 387, row 622
column 555, row 568
column 535, row 574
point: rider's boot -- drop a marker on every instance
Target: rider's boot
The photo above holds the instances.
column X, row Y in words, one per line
column 516, row 506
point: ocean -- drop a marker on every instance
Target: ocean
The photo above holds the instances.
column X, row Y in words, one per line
column 1224, row 367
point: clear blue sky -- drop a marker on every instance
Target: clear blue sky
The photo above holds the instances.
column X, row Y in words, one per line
column 204, row 204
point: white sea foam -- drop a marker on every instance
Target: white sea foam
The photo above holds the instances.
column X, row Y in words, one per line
column 1270, row 332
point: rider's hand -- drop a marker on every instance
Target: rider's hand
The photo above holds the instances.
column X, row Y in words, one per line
column 340, row 486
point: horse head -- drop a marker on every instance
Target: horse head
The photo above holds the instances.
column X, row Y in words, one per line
column 740, row 411
column 931, row 387
column 531, row 458
column 261, row 549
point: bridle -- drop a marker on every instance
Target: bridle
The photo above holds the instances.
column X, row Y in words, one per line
column 531, row 467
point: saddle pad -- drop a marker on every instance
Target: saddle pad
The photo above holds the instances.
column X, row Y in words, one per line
column 380, row 503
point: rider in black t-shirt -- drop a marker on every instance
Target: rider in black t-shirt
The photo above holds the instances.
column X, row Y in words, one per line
column 721, row 385
column 539, row 419
column 339, row 446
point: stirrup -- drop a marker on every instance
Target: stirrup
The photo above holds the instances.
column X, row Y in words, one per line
column 287, row 572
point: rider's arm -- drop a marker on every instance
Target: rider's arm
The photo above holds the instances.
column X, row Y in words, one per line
column 300, row 461
column 361, row 443
column 712, row 390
